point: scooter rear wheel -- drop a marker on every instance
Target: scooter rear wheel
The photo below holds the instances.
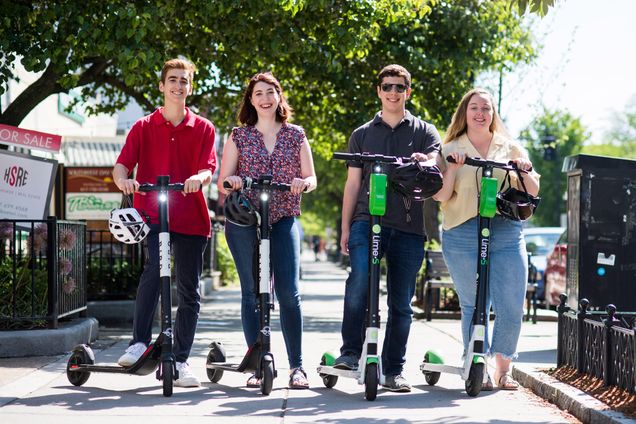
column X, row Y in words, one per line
column 167, row 375
column 475, row 379
column 267, row 377
column 77, row 378
column 371, row 382
column 328, row 380
column 214, row 375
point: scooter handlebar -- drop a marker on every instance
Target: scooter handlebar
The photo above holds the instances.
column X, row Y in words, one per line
column 146, row 187
column 480, row 163
column 368, row 157
column 261, row 184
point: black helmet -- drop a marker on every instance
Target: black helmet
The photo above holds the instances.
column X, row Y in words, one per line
column 416, row 180
column 516, row 204
column 239, row 210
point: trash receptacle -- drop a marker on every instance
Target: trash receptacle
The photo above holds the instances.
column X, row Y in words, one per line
column 601, row 215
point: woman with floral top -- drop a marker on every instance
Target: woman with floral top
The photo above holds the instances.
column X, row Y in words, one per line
column 266, row 143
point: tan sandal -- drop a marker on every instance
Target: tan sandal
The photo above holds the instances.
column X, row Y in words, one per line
column 253, row 381
column 506, row 382
column 298, row 379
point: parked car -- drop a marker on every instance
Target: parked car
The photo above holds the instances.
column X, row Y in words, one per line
column 555, row 271
column 539, row 243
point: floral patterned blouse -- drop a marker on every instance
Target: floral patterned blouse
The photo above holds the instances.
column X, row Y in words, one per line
column 283, row 164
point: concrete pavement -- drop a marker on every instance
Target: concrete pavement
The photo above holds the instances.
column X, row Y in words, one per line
column 33, row 391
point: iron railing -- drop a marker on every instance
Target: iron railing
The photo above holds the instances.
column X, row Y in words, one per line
column 600, row 344
column 42, row 271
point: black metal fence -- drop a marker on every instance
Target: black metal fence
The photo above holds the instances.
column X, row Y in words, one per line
column 600, row 344
column 113, row 268
column 42, row 271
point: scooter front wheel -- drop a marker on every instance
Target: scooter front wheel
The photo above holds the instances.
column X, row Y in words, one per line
column 328, row 380
column 214, row 374
column 267, row 375
column 475, row 379
column 432, row 377
column 371, row 380
column 77, row 378
column 167, row 375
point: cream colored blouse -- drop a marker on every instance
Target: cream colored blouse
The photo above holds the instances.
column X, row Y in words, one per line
column 463, row 204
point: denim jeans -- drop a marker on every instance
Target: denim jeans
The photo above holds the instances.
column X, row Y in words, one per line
column 285, row 263
column 508, row 277
column 404, row 254
column 187, row 252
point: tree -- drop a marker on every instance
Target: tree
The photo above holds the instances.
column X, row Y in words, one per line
column 550, row 138
column 539, row 7
column 326, row 53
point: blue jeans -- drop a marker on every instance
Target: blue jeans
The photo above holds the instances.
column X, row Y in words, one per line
column 285, row 264
column 508, row 277
column 404, row 254
column 187, row 252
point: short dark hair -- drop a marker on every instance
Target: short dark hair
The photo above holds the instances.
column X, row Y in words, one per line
column 178, row 64
column 247, row 113
column 394, row 71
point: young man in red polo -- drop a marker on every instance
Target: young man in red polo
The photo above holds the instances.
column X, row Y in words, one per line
column 176, row 142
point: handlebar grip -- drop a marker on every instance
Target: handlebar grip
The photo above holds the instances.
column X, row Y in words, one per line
column 345, row 156
column 226, row 184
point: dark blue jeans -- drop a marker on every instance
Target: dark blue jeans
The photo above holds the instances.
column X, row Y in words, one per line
column 187, row 252
column 285, row 263
column 404, row 254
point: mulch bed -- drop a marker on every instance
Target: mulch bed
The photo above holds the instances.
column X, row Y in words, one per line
column 617, row 399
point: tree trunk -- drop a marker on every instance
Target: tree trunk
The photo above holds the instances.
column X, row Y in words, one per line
column 35, row 93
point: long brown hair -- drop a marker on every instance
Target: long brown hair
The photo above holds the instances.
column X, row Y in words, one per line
column 247, row 113
column 458, row 124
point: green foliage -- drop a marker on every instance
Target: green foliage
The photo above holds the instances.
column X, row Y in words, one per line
column 229, row 275
column 326, row 54
column 540, row 7
column 24, row 294
column 569, row 138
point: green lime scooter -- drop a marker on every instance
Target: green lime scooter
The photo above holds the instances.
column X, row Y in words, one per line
column 473, row 370
column 369, row 370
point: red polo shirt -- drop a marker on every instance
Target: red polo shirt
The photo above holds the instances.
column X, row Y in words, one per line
column 157, row 147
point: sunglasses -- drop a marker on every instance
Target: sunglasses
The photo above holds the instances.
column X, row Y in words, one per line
column 400, row 88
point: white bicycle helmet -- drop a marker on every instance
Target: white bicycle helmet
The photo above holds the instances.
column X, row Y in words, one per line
column 127, row 225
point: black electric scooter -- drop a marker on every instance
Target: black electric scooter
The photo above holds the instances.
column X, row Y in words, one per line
column 369, row 370
column 473, row 370
column 259, row 358
column 158, row 356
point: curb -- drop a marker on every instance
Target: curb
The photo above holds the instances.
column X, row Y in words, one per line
column 576, row 402
column 48, row 342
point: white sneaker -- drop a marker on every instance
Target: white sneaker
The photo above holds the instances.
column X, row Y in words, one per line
column 133, row 353
column 186, row 378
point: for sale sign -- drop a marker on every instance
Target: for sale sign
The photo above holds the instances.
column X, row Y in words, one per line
column 30, row 139
column 26, row 184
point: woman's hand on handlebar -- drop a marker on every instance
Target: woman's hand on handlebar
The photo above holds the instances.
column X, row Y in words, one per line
column 523, row 164
column 298, row 185
column 234, row 181
column 459, row 159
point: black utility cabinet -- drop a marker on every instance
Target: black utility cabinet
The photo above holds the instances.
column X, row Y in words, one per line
column 601, row 231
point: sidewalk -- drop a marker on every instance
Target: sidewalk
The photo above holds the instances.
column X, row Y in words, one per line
column 36, row 389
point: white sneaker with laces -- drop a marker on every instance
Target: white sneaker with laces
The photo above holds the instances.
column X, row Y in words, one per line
column 133, row 353
column 186, row 378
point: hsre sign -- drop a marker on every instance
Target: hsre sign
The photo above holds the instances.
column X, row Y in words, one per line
column 91, row 193
column 26, row 184
column 30, row 139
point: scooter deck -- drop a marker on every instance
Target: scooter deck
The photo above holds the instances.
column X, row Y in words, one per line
column 145, row 365
column 324, row 369
column 226, row 366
